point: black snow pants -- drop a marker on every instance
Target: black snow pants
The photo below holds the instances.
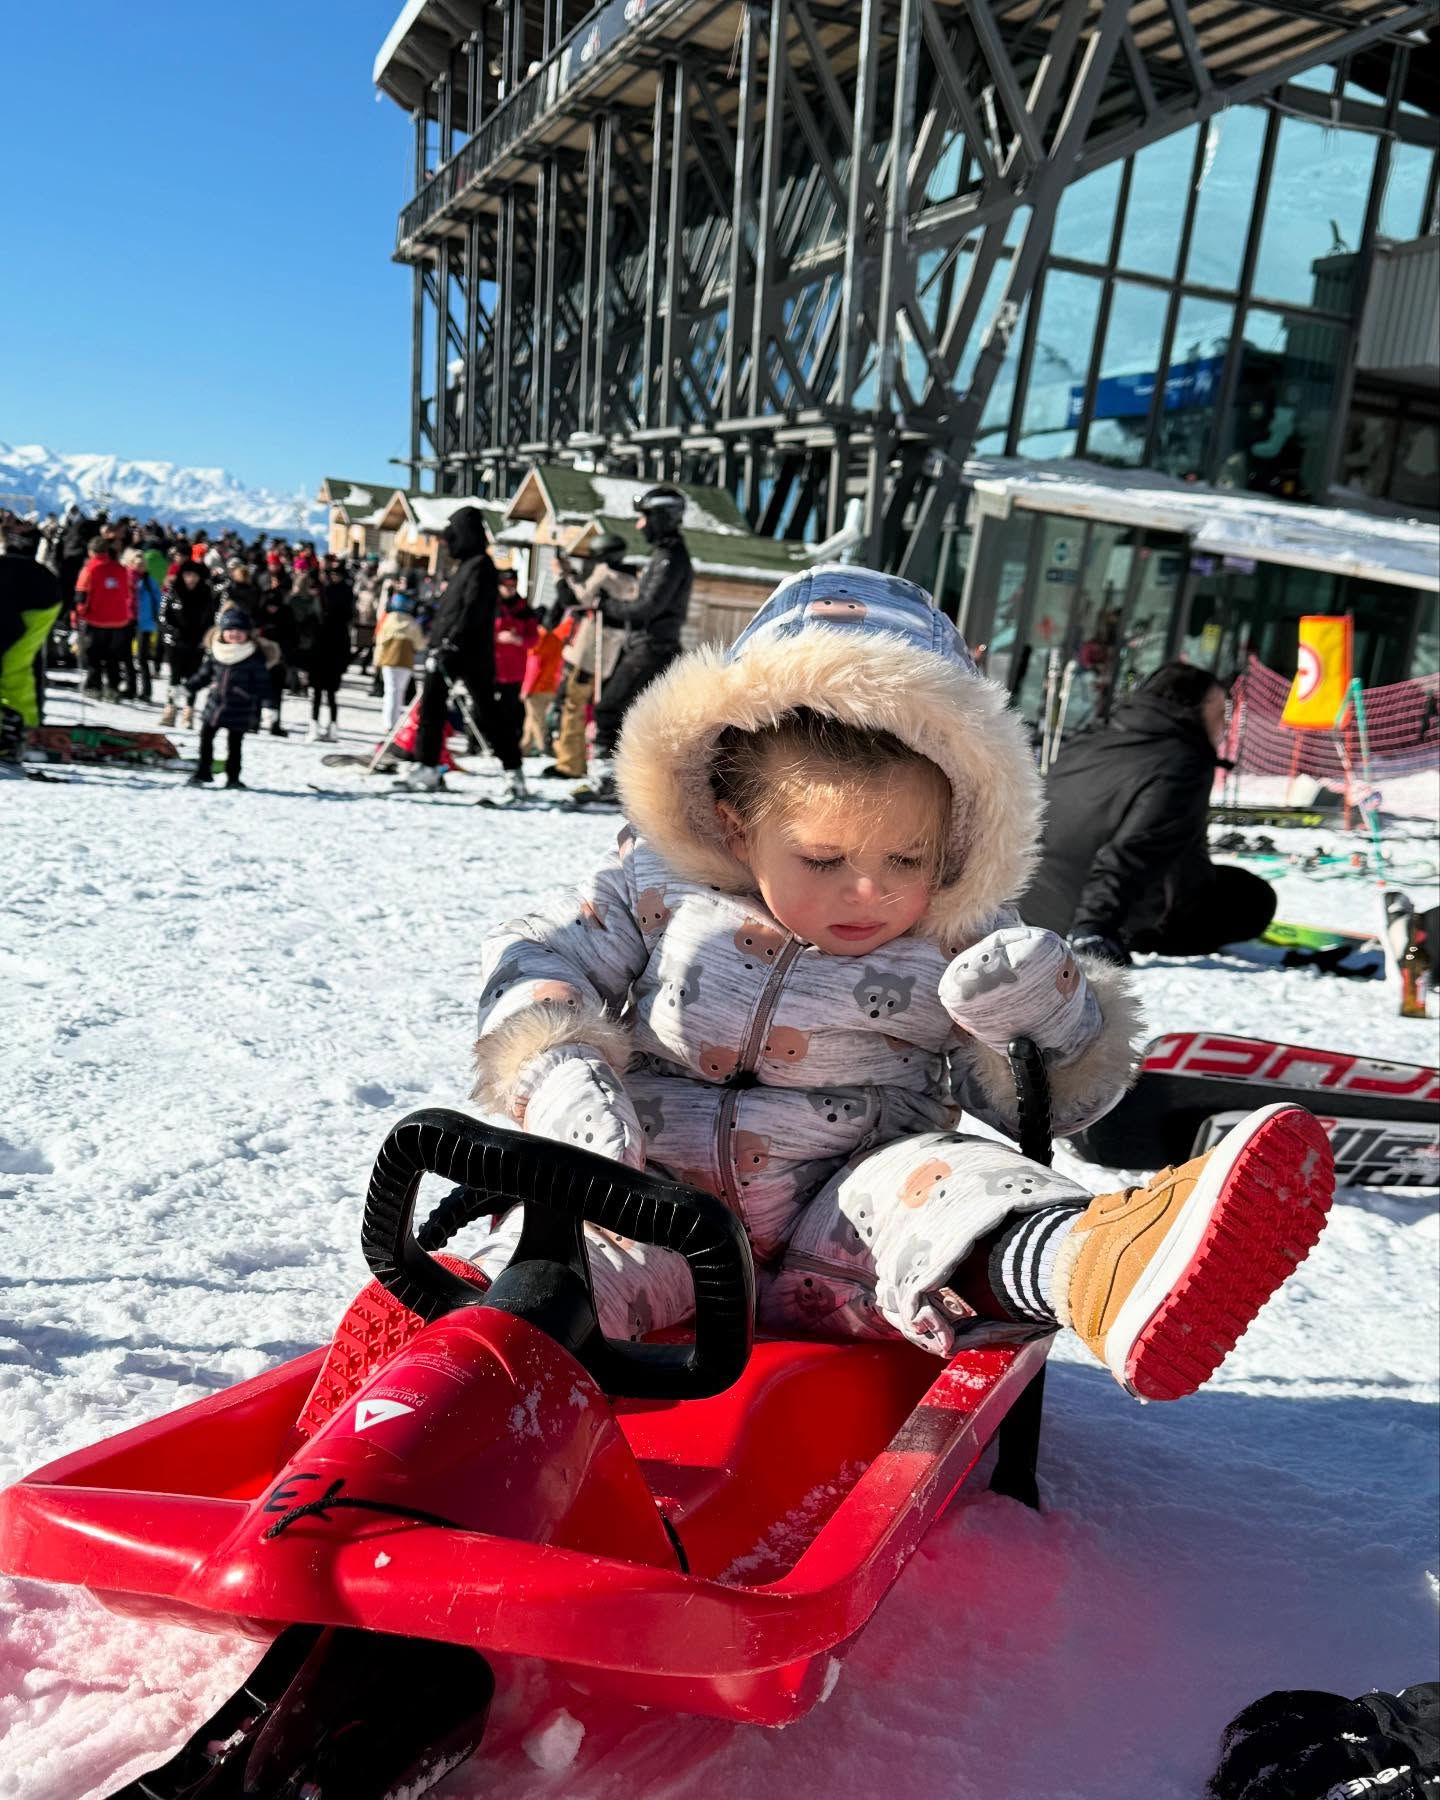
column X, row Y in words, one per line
column 497, row 724
column 1233, row 908
column 638, row 665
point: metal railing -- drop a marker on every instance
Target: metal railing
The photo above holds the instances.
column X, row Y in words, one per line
column 581, row 53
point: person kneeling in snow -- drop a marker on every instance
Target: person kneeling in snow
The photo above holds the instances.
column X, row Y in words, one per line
column 237, row 672
column 802, row 961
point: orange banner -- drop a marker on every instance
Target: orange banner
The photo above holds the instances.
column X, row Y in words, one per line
column 1323, row 676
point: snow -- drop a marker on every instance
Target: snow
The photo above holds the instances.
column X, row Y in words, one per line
column 214, row 498
column 212, row 1005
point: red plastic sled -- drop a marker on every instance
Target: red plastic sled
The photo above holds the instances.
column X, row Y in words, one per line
column 461, row 1472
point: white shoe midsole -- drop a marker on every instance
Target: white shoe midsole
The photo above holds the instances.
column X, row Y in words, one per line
column 1176, row 1249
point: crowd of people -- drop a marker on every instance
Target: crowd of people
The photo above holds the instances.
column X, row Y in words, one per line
column 154, row 615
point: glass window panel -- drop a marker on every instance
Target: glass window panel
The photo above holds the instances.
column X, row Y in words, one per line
column 1276, row 436
column 1402, row 210
column 1046, row 628
column 1155, row 211
column 1321, row 80
column 1192, row 384
column 1063, row 346
column 1416, row 477
column 1087, row 216
column 1369, row 451
column 1005, row 548
column 1127, row 375
column 995, row 420
column 1315, row 215
column 1227, row 196
column 1146, row 633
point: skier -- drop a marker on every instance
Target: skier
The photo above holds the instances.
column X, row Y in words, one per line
column 147, row 623
column 29, row 606
column 652, row 623
column 235, row 671
column 187, row 614
column 578, row 604
column 462, row 648
column 516, row 629
column 806, row 940
column 1124, row 863
column 398, row 642
column 105, row 607
column 329, row 650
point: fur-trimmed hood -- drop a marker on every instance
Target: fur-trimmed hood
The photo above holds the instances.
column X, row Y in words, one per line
column 869, row 649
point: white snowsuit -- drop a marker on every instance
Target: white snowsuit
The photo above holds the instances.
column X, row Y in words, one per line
column 663, row 1015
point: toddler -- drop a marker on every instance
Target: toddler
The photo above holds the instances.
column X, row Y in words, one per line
column 802, row 961
column 236, row 673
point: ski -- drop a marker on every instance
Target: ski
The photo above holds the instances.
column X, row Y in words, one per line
column 1305, row 818
column 347, row 759
column 540, row 803
column 1189, row 1077
column 226, row 1736
column 1403, row 1153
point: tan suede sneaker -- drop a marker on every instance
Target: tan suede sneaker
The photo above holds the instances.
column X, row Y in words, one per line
column 1161, row 1281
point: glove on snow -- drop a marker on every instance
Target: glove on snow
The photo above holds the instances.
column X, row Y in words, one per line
column 1103, row 948
column 572, row 1095
column 1021, row 981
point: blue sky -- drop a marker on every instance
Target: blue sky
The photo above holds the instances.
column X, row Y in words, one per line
column 198, row 268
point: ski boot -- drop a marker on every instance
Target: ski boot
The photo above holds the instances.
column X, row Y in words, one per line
column 12, row 744
column 187, row 719
column 312, row 732
column 1161, row 1281
column 330, row 735
column 599, row 790
column 424, row 778
column 167, row 714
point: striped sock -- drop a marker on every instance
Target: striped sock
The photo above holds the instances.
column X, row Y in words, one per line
column 1021, row 1264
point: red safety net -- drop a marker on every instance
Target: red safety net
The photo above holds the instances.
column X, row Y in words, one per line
column 1402, row 724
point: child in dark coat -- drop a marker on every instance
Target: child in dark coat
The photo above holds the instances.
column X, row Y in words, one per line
column 237, row 673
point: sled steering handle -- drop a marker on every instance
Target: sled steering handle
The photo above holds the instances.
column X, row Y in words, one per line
column 506, row 1168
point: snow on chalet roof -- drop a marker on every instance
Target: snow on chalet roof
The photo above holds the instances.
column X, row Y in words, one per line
column 433, row 512
column 355, row 498
column 1404, row 552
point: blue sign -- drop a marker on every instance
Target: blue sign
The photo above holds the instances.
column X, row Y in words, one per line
column 1129, row 396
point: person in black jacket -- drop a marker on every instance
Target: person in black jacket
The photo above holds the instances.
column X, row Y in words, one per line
column 462, row 648
column 1124, row 864
column 236, row 674
column 329, row 651
column 186, row 615
column 652, row 623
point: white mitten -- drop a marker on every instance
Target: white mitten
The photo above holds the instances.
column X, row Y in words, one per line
column 1021, row 981
column 572, row 1094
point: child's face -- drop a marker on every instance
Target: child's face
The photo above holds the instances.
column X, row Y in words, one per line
column 844, row 879
column 236, row 637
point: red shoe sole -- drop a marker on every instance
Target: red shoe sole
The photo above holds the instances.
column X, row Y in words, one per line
column 1266, row 1219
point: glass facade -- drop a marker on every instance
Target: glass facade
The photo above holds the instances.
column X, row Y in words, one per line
column 1197, row 304
column 1196, row 315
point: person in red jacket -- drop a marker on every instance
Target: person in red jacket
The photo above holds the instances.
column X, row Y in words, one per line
column 516, row 629
column 105, row 609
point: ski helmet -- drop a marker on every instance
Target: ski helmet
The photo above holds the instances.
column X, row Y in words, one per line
column 660, row 509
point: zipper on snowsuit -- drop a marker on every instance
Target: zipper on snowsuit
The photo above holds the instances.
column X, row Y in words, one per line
column 749, row 1055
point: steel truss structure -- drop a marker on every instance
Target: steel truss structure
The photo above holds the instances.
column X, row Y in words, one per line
column 778, row 244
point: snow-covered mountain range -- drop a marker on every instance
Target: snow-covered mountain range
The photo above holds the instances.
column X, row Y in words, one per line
column 33, row 477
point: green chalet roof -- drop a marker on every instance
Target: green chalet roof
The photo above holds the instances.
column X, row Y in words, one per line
column 720, row 541
column 356, row 499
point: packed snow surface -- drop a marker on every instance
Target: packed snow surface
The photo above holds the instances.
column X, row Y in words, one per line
column 212, row 1006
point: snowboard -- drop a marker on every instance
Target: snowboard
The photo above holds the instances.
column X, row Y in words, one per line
column 1190, row 1077
column 1313, row 937
column 1404, row 1153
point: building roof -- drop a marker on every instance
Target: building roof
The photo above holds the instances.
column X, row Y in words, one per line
column 431, row 513
column 355, row 498
column 1404, row 552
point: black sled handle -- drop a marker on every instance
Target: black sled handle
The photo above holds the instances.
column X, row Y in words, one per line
column 563, row 1188
column 1032, row 1100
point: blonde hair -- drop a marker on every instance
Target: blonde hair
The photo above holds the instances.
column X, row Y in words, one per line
column 811, row 759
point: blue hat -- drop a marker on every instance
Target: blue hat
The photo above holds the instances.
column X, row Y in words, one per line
column 234, row 619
